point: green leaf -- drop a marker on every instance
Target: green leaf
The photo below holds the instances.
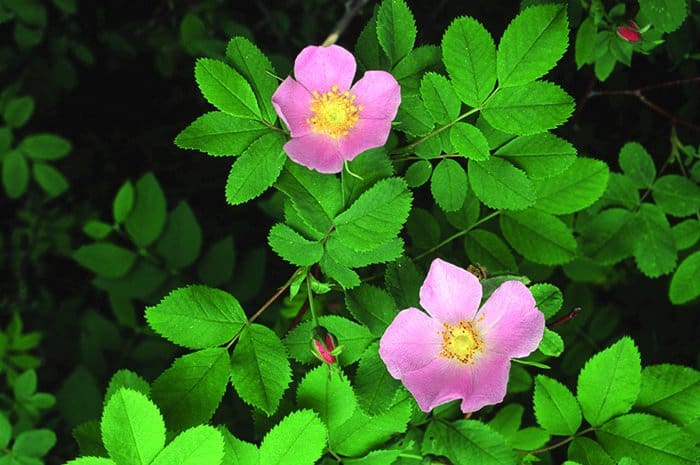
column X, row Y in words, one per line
column 686, row 233
column 50, row 179
column 329, row 394
column 382, row 209
column 529, row 108
column 500, row 185
column 588, row 452
column 555, row 407
column 606, row 238
column 250, row 62
column 216, row 315
column 585, row 42
column 91, row 461
column 105, row 259
column 574, row 189
column 609, row 383
column 132, row 428
column 684, row 285
column 676, row 195
column 403, row 280
column 449, row 185
column 469, row 54
column 532, row 44
column 220, row 134
column 6, row 138
column 256, row 169
column 539, row 237
column 123, row 202
column 647, row 439
column 548, row 297
column 18, row 111
column 440, row 98
column 373, row 383
column 418, row 173
column 466, row 442
column 396, row 29
column 413, row 118
column 552, row 344
column 224, row 88
column 353, row 337
column 216, row 266
column 299, row 438
column 45, row 146
column 147, row 219
column 368, row 52
column 181, row 241
column 376, row 457
column 129, row 380
column 260, row 371
column 488, row 249
column 34, row 443
column 15, row 174
column 469, row 141
column 5, row 431
column 371, row 166
column 342, row 274
column 196, row 446
column 637, row 165
column 540, row 155
column 671, row 391
column 348, row 257
column 294, row 248
column 409, row 71
column 665, row 15
column 189, row 392
column 654, row 246
column 371, row 306
column 529, row 438
column 97, row 230
column 237, row 452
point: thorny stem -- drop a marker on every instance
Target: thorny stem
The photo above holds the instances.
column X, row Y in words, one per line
column 352, row 7
column 457, row 235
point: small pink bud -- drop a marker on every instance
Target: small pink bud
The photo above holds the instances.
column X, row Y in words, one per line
column 629, row 32
column 324, row 345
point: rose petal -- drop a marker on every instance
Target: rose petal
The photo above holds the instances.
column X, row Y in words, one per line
column 411, row 341
column 293, row 104
column 320, row 68
column 440, row 381
column 315, row 151
column 367, row 134
column 379, row 95
column 450, row 294
column 509, row 322
column 488, row 380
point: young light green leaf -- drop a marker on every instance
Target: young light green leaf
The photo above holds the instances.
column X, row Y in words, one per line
column 609, row 383
column 488, row 249
column 299, row 438
column 532, row 44
column 676, row 195
column 105, row 259
column 548, row 297
column 500, row 185
column 260, row 370
column 396, row 29
column 292, row 247
column 418, row 173
column 439, row 97
column 45, row 146
column 181, row 241
column 555, row 407
column 220, row 134
column 467, row 441
column 373, row 383
column 250, row 62
column 576, row 188
column 133, row 431
column 147, row 219
column 684, row 285
column 372, row 306
column 469, row 141
column 654, row 247
column 15, row 174
column 637, row 165
column 123, row 202
column 197, row 317
column 469, row 54
column 256, row 169
column 539, row 237
column 189, row 392
column 665, row 15
column 528, row 109
column 540, row 155
column 18, row 111
column 224, row 88
column 196, row 446
column 647, row 439
column 449, row 185
column 382, row 209
column 671, row 391
column 49, row 179
column 328, row 394
column 585, row 42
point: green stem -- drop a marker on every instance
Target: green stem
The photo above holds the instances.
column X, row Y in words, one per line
column 408, row 148
column 560, row 443
column 311, row 300
column 457, row 235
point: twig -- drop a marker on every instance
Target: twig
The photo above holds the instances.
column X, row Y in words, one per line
column 351, row 9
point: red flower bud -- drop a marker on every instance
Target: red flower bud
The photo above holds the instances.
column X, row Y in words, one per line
column 324, row 345
column 629, row 32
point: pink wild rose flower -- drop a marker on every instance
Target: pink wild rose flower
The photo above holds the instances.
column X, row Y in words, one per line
column 331, row 120
column 458, row 350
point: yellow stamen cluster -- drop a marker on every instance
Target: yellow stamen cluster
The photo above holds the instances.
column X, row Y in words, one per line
column 334, row 113
column 461, row 342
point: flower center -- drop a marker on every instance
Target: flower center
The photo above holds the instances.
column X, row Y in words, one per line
column 334, row 113
column 461, row 342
